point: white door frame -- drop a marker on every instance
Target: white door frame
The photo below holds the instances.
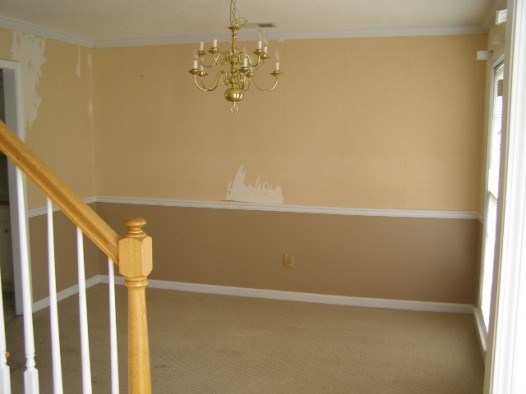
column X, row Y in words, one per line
column 15, row 121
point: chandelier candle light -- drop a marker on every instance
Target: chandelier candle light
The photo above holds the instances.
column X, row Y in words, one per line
column 240, row 71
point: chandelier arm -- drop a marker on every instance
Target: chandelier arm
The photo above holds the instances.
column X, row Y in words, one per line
column 218, row 60
column 201, row 84
column 257, row 65
column 262, row 57
column 267, row 89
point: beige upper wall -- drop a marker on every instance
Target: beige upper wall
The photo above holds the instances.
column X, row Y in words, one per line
column 368, row 122
column 57, row 98
column 365, row 122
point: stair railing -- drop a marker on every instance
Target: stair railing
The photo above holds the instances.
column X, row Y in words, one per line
column 132, row 253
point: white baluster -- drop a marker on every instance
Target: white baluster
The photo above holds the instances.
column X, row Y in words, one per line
column 83, row 311
column 30, row 373
column 5, row 379
column 53, row 308
column 113, row 332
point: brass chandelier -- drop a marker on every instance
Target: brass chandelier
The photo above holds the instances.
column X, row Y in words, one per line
column 240, row 69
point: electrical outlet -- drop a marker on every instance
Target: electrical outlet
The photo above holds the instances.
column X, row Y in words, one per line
column 288, row 260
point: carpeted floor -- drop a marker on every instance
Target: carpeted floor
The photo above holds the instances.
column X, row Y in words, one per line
column 220, row 344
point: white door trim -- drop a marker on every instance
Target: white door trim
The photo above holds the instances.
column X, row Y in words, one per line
column 15, row 120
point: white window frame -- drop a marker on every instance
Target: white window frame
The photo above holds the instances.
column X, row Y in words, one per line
column 506, row 355
column 484, row 297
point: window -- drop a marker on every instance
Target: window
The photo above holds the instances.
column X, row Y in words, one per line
column 492, row 194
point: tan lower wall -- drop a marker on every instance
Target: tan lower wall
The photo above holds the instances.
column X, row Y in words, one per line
column 433, row 260
column 379, row 257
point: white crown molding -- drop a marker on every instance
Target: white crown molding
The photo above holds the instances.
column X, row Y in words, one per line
column 281, row 35
column 273, row 34
column 26, row 27
column 362, row 33
column 134, row 42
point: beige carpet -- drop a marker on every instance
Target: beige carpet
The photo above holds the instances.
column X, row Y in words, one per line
column 219, row 344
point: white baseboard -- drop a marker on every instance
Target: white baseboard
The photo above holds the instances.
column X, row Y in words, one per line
column 66, row 293
column 422, row 306
column 481, row 330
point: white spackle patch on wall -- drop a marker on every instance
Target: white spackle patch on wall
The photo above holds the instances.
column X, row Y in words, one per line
column 29, row 51
column 260, row 192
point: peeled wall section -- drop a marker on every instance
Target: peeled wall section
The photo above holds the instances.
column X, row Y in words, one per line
column 57, row 92
column 57, row 109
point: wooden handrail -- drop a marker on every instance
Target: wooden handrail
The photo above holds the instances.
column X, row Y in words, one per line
column 92, row 225
column 132, row 252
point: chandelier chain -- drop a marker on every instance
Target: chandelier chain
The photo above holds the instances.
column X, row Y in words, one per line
column 235, row 19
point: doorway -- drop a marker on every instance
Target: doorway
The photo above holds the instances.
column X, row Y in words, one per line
column 10, row 252
column 6, row 253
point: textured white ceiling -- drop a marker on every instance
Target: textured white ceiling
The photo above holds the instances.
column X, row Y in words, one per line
column 107, row 21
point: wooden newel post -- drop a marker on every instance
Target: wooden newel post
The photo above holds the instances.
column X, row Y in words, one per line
column 135, row 263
